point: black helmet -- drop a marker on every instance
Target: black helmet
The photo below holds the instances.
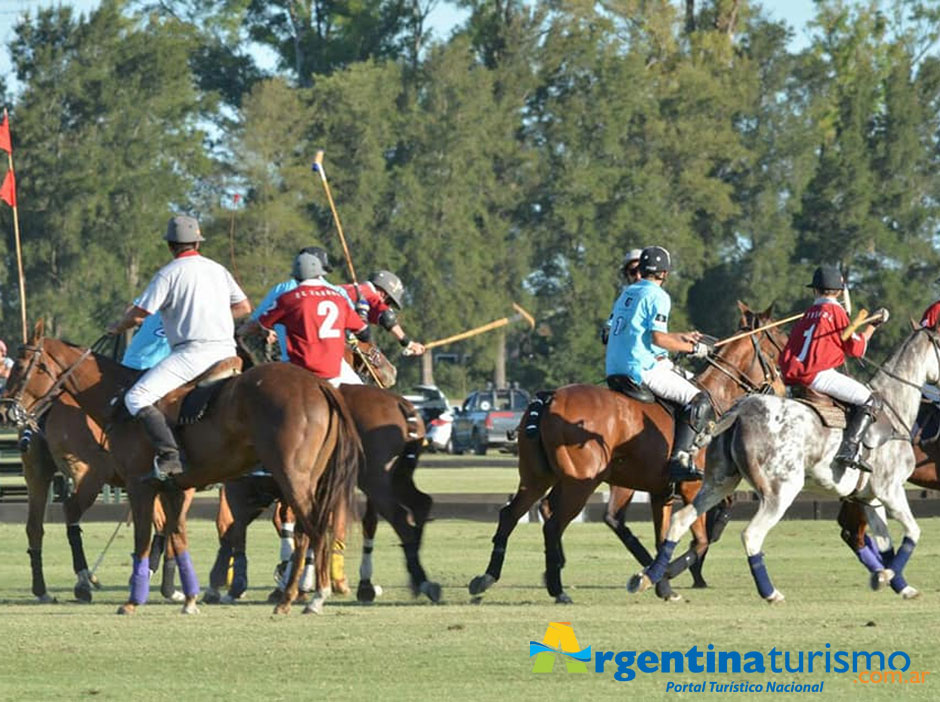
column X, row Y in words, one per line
column 311, row 262
column 655, row 259
column 827, row 278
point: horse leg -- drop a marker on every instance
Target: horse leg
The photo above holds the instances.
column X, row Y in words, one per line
column 366, row 591
column 880, row 542
column 338, row 552
column 773, row 505
column 615, row 517
column 721, row 478
column 218, row 576
column 158, row 544
column 853, row 521
column 535, row 477
column 699, row 541
column 566, row 500
column 141, row 501
column 323, row 569
column 716, row 519
column 292, row 580
column 176, row 505
column 38, row 474
column 895, row 501
column 242, row 511
column 75, row 506
column 283, row 520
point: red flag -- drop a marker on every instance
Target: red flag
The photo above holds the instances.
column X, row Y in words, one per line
column 8, row 189
column 5, row 143
column 236, row 198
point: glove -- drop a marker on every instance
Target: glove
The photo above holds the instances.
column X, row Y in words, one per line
column 884, row 314
column 699, row 350
column 362, row 309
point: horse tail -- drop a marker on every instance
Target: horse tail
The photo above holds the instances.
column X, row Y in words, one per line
column 337, row 485
column 414, row 436
column 530, row 426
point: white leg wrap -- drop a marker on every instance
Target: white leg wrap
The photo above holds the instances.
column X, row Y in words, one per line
column 365, row 566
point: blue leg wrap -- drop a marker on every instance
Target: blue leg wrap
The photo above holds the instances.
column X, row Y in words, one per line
column 901, row 557
column 657, row 569
column 764, row 587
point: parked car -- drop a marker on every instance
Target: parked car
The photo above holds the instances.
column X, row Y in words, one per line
column 440, row 435
column 485, row 417
column 429, row 401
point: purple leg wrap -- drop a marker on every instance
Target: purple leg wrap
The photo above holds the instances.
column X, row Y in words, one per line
column 901, row 557
column 869, row 558
column 188, row 577
column 898, row 583
column 140, row 580
column 657, row 568
column 764, row 587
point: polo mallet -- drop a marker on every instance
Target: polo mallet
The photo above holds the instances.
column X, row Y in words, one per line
column 860, row 319
column 521, row 314
column 318, row 168
column 114, row 534
column 741, row 335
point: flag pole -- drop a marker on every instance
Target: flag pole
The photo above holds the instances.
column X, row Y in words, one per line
column 16, row 236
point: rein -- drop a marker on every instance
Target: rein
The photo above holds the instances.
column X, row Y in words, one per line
column 740, row 377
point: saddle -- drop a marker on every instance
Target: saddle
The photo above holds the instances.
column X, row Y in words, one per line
column 625, row 385
column 833, row 415
column 190, row 402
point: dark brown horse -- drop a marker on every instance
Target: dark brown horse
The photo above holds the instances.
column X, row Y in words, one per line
column 587, row 434
column 297, row 426
column 392, row 435
column 69, row 442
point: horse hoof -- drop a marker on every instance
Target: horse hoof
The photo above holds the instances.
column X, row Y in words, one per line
column 127, row 608
column 365, row 593
column 881, row 578
column 227, row 599
column 93, row 579
column 432, row 590
column 665, row 592
column 315, row 607
column 211, row 596
column 563, row 598
column 910, row 593
column 341, row 587
column 639, row 583
column 282, row 608
column 82, row 592
column 775, row 597
column 190, row 606
column 174, row 596
column 699, row 585
column 46, row 598
column 481, row 584
column 302, row 597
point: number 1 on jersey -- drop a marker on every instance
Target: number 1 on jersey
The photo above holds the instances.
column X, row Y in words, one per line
column 808, row 336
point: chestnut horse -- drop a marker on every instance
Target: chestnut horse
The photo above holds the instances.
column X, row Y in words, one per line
column 392, row 435
column 296, row 425
column 69, row 442
column 587, row 434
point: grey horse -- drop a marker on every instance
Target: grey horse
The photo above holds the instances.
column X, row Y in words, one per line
column 775, row 443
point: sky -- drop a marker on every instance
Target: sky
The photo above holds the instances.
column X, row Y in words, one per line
column 442, row 20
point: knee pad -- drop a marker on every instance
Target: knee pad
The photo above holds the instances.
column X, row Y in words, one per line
column 700, row 411
column 874, row 404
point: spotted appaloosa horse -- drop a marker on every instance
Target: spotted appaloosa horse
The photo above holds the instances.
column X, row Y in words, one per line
column 277, row 414
column 776, row 443
column 588, row 434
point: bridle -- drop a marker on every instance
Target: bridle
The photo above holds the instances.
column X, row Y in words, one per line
column 22, row 416
column 742, row 377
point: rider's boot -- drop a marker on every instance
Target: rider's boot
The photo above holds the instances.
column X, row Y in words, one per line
column 692, row 422
column 861, row 417
column 166, row 462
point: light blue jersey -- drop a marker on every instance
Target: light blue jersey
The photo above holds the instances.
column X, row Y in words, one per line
column 641, row 309
column 268, row 302
column 149, row 345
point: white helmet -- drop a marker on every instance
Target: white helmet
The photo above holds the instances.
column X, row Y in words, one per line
column 632, row 255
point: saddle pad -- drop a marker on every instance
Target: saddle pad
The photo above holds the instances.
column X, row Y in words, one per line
column 831, row 416
column 197, row 402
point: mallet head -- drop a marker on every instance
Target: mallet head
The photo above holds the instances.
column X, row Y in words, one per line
column 318, row 161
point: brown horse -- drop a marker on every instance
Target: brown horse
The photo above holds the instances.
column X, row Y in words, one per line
column 392, row 435
column 276, row 414
column 585, row 435
column 69, row 442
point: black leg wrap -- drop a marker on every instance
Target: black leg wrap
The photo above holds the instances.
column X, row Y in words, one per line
column 715, row 522
column 553, row 571
column 417, row 573
column 35, row 564
column 157, row 547
column 495, row 567
column 636, row 549
column 219, row 573
column 74, row 534
column 681, row 564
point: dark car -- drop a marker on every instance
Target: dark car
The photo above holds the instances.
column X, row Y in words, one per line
column 485, row 417
column 429, row 401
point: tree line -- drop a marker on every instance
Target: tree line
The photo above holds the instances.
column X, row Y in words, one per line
column 515, row 160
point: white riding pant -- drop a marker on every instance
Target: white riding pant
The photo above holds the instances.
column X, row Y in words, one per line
column 833, row 383
column 665, row 382
column 182, row 365
column 347, row 376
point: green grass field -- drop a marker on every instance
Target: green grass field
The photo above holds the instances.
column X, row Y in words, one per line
column 402, row 648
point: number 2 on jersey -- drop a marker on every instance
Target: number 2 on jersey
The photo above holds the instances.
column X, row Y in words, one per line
column 808, row 336
column 329, row 312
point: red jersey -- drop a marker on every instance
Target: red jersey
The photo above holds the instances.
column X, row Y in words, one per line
column 315, row 318
column 368, row 292
column 931, row 316
column 816, row 343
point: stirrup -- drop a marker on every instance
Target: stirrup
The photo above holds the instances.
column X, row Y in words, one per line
column 679, row 472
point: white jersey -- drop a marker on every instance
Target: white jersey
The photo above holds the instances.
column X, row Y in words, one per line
column 193, row 295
